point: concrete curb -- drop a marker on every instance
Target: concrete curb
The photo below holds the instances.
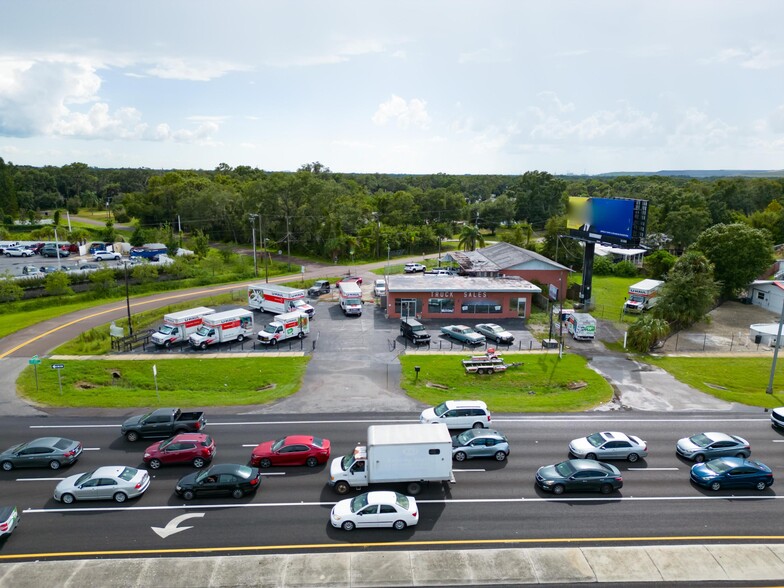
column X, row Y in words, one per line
column 565, row 565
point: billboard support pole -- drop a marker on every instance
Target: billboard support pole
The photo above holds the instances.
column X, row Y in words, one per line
column 585, row 290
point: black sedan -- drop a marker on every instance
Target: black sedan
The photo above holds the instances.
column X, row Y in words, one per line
column 732, row 472
column 52, row 452
column 579, row 475
column 230, row 478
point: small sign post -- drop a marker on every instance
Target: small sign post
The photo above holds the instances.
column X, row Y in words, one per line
column 35, row 361
column 58, row 367
column 155, row 377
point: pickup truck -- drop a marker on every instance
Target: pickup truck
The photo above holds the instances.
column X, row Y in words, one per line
column 318, row 288
column 164, row 422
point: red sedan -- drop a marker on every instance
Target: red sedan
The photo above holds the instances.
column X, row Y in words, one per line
column 195, row 448
column 357, row 279
column 291, row 450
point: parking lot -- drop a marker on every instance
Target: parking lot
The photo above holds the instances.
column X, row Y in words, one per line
column 14, row 265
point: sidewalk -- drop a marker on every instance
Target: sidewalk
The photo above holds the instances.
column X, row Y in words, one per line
column 688, row 564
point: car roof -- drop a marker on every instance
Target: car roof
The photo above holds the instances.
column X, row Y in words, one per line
column 191, row 437
column 226, row 468
column 485, row 433
column 719, row 437
column 108, row 471
column 381, row 497
column 47, row 441
column 294, row 439
column 615, row 436
column 466, row 404
column 589, row 464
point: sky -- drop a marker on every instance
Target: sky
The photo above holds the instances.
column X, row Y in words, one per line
column 427, row 86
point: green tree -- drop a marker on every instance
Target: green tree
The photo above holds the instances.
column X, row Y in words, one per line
column 646, row 332
column 496, row 212
column 138, row 237
column 213, row 262
column 658, row 263
column 56, row 218
column 200, row 243
column 738, row 252
column 56, row 284
column 10, row 291
column 539, row 196
column 8, row 202
column 625, row 269
column 602, row 266
column 109, row 234
column 470, row 237
column 103, row 282
column 689, row 292
column 145, row 273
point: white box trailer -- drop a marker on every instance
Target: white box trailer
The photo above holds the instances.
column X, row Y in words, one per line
column 396, row 454
column 285, row 326
column 350, row 295
column 642, row 296
column 178, row 326
column 581, row 325
column 222, row 327
column 278, row 299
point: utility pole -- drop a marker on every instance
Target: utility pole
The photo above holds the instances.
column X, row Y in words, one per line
column 769, row 389
column 263, row 245
column 253, row 232
column 288, row 242
column 57, row 249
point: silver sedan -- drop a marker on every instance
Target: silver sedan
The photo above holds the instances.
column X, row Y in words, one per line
column 118, row 483
column 706, row 446
column 609, row 445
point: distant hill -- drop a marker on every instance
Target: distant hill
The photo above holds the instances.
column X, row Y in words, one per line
column 702, row 173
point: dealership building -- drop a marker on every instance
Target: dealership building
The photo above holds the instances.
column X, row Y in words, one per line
column 479, row 298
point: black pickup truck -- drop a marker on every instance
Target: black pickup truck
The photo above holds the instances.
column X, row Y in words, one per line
column 164, row 422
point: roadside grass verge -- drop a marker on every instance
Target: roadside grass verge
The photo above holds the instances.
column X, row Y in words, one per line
column 541, row 384
column 11, row 322
column 188, row 382
column 734, row 379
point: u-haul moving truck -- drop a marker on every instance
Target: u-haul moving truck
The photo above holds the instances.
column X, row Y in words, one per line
column 222, row 327
column 285, row 326
column 642, row 296
column 581, row 325
column 278, row 299
column 178, row 326
column 350, row 298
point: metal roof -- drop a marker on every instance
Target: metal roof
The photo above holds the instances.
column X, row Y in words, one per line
column 499, row 257
column 408, row 434
column 426, row 283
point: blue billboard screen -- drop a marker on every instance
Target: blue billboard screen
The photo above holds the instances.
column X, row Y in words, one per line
column 601, row 218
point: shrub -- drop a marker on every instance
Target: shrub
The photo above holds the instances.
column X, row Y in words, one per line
column 56, row 284
column 625, row 269
column 602, row 266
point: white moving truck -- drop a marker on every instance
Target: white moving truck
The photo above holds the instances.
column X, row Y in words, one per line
column 642, row 296
column 178, row 326
column 581, row 325
column 222, row 327
column 278, row 299
column 285, row 326
column 396, row 454
column 350, row 295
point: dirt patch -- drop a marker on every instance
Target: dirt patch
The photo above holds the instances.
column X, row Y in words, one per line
column 267, row 387
column 84, row 386
column 576, row 385
column 439, row 386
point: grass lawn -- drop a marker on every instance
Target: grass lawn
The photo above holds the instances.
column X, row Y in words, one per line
column 185, row 382
column 398, row 268
column 540, row 385
column 734, row 379
column 16, row 321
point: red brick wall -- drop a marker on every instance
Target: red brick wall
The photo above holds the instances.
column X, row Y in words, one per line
column 503, row 298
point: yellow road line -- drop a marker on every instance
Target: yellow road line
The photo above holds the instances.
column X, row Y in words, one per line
column 455, row 542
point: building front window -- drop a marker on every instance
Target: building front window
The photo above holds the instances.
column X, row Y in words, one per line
column 408, row 307
column 440, row 305
column 481, row 306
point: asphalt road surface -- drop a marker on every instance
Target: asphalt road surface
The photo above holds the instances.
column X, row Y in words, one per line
column 491, row 502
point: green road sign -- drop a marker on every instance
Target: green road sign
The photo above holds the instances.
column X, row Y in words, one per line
column 34, row 360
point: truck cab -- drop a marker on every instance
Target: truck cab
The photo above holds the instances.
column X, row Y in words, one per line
column 351, row 469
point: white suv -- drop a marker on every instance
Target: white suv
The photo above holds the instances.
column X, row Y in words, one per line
column 458, row 414
column 412, row 268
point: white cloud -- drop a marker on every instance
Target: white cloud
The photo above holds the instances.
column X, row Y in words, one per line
column 755, row 57
column 486, row 55
column 697, row 130
column 343, row 51
column 776, row 120
column 405, row 114
column 197, row 71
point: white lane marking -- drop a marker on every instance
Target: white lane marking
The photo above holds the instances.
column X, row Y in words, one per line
column 250, row 445
column 273, row 473
column 622, row 420
column 456, row 470
column 171, row 527
column 654, row 469
column 39, row 479
column 91, row 449
column 778, row 440
column 74, row 426
column 602, row 498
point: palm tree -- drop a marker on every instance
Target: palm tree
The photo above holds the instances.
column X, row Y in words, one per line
column 470, row 237
column 644, row 334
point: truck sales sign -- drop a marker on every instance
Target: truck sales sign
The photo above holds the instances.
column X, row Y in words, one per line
column 466, row 294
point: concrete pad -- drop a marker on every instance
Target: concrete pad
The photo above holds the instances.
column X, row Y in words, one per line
column 174, row 572
column 40, row 573
column 108, row 573
column 749, row 562
column 687, row 563
column 384, row 568
column 777, row 549
column 249, row 570
column 621, row 564
column 561, row 565
column 5, row 569
column 501, row 566
column 317, row 569
column 439, row 568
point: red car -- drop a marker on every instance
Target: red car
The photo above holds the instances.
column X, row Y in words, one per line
column 195, row 448
column 356, row 279
column 291, row 450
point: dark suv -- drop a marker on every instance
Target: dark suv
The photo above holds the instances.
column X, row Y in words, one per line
column 318, row 288
column 414, row 330
column 52, row 251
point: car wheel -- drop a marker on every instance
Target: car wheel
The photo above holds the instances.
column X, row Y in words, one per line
column 311, row 462
column 399, row 525
column 301, row 335
column 478, row 426
column 699, row 458
column 632, row 457
column 167, row 345
column 761, row 486
column 198, row 462
column 203, row 346
column 348, row 526
column 237, row 493
column 240, row 338
column 715, row 486
column 742, row 455
column 120, row 497
column 500, row 456
column 54, row 464
column 605, row 488
column 460, row 456
column 132, row 436
column 414, row 488
column 273, row 342
column 8, row 466
column 67, row 498
column 188, row 495
column 558, row 489
column 590, row 456
column 265, row 463
column 155, row 463
column 342, row 487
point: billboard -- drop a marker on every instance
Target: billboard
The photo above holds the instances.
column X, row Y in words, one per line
column 612, row 220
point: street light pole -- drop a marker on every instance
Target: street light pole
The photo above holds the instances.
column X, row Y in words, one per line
column 128, row 300
column 769, row 389
column 253, row 231
column 288, row 242
column 263, row 245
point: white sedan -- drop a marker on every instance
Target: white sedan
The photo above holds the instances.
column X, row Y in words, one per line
column 105, row 256
column 375, row 509
column 118, row 483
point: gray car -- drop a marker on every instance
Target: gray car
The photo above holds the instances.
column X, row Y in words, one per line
column 609, row 445
column 479, row 443
column 463, row 334
column 52, row 452
column 118, row 483
column 495, row 332
column 706, row 446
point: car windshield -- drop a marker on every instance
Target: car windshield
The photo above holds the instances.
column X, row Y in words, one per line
column 166, row 329
column 440, row 409
column 203, row 474
column 318, row 442
column 466, row 436
column 418, row 328
column 127, row 474
column 359, row 502
column 494, row 328
column 83, row 478
column 701, row 440
column 401, row 500
column 596, row 439
column 278, row 444
column 16, row 448
column 270, row 328
column 718, row 466
column 347, row 462
column 298, row 303
column 165, row 444
column 203, row 331
column 564, row 469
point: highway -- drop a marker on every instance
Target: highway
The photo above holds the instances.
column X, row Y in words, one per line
column 491, row 502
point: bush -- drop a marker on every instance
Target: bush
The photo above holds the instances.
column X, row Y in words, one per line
column 145, row 273
column 104, row 282
column 602, row 266
column 625, row 269
column 56, row 284
column 10, row 291
column 645, row 333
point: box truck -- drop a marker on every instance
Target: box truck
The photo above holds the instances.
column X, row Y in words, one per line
column 396, row 454
column 581, row 325
column 642, row 296
column 350, row 295
column 278, row 299
column 178, row 326
column 285, row 326
column 222, row 327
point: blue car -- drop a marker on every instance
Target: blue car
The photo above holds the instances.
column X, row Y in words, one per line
column 732, row 472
